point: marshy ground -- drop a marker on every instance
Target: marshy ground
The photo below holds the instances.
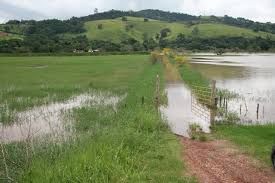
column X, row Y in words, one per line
column 107, row 103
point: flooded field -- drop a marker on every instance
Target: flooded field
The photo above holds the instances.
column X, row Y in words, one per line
column 251, row 76
column 54, row 119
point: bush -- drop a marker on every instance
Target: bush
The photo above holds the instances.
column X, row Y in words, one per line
column 155, row 57
column 181, row 60
column 124, row 19
column 99, row 26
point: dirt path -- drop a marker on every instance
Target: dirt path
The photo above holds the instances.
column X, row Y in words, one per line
column 219, row 161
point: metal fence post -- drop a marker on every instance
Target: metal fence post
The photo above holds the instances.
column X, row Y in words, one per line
column 213, row 102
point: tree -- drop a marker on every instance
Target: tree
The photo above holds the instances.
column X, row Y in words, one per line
column 138, row 47
column 145, row 36
column 157, row 36
column 195, row 31
column 7, row 29
column 220, row 51
column 126, row 48
column 124, row 19
column 95, row 11
column 100, row 26
column 164, row 32
column 150, row 44
column 146, row 20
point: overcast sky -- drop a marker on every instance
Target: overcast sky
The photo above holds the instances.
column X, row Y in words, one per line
column 258, row 10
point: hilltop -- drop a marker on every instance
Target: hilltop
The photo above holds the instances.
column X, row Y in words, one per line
column 137, row 31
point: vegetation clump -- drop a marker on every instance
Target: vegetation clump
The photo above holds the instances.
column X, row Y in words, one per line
column 180, row 60
column 195, row 133
column 155, row 57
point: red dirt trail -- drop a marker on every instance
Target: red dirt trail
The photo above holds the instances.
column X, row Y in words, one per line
column 218, row 161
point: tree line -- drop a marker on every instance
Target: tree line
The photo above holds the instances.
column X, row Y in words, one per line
column 43, row 44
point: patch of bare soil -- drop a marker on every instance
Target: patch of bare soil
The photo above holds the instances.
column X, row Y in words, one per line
column 219, row 161
column 2, row 34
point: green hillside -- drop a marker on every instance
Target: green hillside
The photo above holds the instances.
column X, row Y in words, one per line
column 115, row 30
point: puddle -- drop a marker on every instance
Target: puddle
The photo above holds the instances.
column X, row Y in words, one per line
column 52, row 119
column 180, row 111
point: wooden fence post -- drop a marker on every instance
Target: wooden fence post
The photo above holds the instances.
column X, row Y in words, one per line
column 157, row 92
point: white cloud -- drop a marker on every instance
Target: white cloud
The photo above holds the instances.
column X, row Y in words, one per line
column 253, row 9
column 262, row 10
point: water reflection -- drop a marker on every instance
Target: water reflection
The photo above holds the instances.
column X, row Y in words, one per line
column 250, row 75
column 179, row 111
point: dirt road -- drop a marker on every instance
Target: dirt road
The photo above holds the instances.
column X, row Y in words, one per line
column 219, row 161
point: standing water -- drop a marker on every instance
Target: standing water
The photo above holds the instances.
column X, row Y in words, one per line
column 51, row 119
column 251, row 76
column 179, row 111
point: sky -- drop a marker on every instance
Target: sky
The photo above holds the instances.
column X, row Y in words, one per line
column 257, row 10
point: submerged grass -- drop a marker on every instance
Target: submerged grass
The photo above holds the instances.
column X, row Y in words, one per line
column 255, row 140
column 131, row 144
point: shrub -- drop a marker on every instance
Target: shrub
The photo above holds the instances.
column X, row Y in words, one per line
column 180, row 60
column 124, row 19
column 99, row 26
column 155, row 57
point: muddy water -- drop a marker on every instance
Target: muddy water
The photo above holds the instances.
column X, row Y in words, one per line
column 52, row 120
column 179, row 113
column 252, row 76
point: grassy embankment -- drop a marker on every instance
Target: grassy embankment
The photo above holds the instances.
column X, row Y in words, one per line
column 255, row 140
column 130, row 145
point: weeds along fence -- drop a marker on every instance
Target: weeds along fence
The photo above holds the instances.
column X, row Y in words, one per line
column 238, row 108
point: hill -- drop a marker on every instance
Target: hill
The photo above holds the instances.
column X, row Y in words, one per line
column 116, row 30
column 137, row 31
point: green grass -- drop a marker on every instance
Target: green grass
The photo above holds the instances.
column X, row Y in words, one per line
column 130, row 145
column 114, row 30
column 255, row 140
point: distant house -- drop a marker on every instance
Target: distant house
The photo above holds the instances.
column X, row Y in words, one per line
column 93, row 51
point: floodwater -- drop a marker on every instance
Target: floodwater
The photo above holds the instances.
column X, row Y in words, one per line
column 53, row 119
column 181, row 110
column 252, row 76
